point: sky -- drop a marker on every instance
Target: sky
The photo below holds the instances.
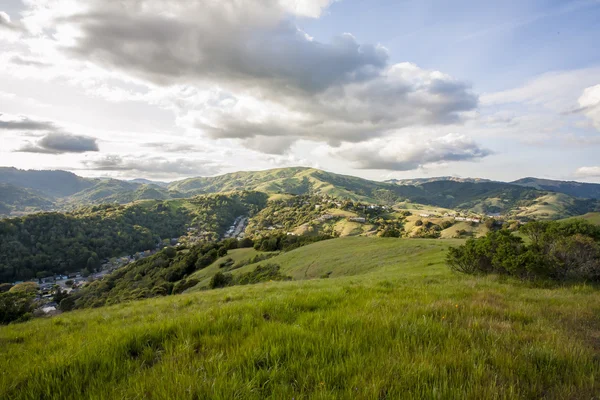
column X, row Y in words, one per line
column 379, row 89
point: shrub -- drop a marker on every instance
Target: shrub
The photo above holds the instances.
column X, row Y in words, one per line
column 220, row 280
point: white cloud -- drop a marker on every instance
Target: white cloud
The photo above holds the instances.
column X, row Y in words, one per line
column 590, row 104
column 405, row 155
column 588, row 172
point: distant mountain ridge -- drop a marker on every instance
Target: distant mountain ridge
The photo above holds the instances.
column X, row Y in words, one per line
column 527, row 198
column 571, row 188
column 419, row 181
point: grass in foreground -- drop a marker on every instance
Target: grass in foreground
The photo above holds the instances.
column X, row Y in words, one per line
column 397, row 332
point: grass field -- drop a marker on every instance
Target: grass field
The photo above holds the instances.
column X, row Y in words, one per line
column 392, row 322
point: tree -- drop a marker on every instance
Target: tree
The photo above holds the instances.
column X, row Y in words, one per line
column 67, row 304
column 15, row 306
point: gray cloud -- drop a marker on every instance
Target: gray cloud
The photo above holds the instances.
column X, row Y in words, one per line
column 401, row 156
column 156, row 167
column 246, row 43
column 17, row 60
column 270, row 145
column 26, row 124
column 60, row 143
column 255, row 73
column 335, row 91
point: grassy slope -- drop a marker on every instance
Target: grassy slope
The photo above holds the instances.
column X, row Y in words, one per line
column 236, row 255
column 409, row 329
column 594, row 218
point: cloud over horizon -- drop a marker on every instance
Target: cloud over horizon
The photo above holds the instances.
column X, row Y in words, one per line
column 151, row 166
column 402, row 155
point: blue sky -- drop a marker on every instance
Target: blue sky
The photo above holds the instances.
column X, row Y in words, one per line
column 490, row 43
column 379, row 88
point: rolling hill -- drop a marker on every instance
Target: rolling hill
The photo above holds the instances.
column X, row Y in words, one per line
column 473, row 195
column 384, row 324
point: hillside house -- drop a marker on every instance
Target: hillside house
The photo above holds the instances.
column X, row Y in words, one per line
column 361, row 220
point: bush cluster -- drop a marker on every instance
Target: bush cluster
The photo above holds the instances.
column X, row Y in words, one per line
column 286, row 242
column 268, row 272
column 556, row 250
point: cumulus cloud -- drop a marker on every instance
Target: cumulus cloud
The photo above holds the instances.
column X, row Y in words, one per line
column 255, row 74
column 154, row 166
column 60, row 143
column 398, row 155
column 588, row 172
column 590, row 104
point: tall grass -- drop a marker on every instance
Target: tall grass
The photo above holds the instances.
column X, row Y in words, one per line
column 416, row 331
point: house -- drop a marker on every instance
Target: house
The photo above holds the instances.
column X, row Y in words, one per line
column 425, row 215
column 358, row 219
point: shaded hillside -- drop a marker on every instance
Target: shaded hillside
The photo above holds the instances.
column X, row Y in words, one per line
column 122, row 192
column 575, row 189
column 17, row 199
column 50, row 183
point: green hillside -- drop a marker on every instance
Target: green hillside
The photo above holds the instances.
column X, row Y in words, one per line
column 346, row 257
column 66, row 191
column 386, row 324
